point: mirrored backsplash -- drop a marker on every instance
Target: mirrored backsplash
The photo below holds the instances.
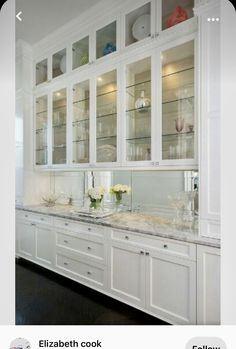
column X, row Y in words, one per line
column 152, row 192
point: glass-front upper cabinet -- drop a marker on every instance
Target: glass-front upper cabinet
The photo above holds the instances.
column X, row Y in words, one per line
column 80, row 123
column 178, row 121
column 175, row 12
column 138, row 110
column 59, row 63
column 106, row 40
column 41, row 73
column 80, row 53
column 41, row 131
column 106, row 120
column 138, row 24
column 59, row 125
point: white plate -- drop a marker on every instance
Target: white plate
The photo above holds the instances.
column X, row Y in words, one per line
column 142, row 27
column 106, row 153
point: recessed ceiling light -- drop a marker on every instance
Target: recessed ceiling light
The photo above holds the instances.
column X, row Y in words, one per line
column 99, row 79
column 58, row 94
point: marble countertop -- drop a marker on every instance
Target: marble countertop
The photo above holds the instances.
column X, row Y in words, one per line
column 131, row 221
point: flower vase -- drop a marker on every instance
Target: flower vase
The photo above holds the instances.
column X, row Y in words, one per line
column 118, row 200
column 95, row 204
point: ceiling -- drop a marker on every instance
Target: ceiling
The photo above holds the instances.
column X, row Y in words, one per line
column 42, row 17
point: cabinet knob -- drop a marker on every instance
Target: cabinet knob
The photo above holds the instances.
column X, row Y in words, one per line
column 33, row 224
column 89, row 248
column 65, row 263
column 89, row 229
column 126, row 237
column 165, row 246
column 147, row 253
column 89, row 272
column 141, row 252
column 66, row 224
column 157, row 163
column 66, row 241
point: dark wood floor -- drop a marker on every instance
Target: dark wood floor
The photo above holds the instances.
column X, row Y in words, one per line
column 46, row 298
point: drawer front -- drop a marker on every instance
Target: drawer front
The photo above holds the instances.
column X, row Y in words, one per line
column 79, row 227
column 29, row 216
column 81, row 269
column 169, row 246
column 82, row 245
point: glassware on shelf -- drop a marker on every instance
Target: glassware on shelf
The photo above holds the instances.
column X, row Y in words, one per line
column 179, row 124
column 178, row 201
column 142, row 103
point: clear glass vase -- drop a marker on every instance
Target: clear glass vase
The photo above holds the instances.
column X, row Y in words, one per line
column 95, row 204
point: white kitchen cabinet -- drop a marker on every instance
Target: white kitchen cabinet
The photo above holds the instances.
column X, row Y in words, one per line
column 208, row 285
column 44, row 244
column 127, row 273
column 171, row 288
column 25, row 234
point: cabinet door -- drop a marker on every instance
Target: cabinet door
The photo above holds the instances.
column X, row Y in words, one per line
column 175, row 12
column 25, row 233
column 44, row 245
column 138, row 112
column 171, row 288
column 178, row 105
column 106, row 120
column 59, row 127
column 41, row 131
column 127, row 274
column 208, row 285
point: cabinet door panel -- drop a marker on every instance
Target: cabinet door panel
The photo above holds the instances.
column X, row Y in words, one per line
column 208, row 285
column 171, row 288
column 26, row 235
column 127, row 270
column 45, row 245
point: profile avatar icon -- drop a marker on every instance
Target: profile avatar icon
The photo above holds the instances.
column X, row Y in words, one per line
column 20, row 343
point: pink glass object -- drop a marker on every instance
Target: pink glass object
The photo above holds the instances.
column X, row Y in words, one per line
column 179, row 15
column 179, row 124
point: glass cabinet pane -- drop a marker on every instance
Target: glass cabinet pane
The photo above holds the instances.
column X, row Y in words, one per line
column 106, row 40
column 80, row 122
column 138, row 24
column 41, row 72
column 80, row 51
column 106, row 124
column 138, row 111
column 41, row 123
column 175, row 12
column 59, row 63
column 178, row 102
column 59, row 127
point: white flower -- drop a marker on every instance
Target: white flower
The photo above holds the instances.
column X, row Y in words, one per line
column 96, row 193
column 120, row 188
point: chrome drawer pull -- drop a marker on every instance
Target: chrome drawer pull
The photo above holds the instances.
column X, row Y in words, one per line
column 66, row 241
column 65, row 263
column 89, row 248
column 141, row 252
column 165, row 246
column 89, row 272
column 147, row 253
column 126, row 237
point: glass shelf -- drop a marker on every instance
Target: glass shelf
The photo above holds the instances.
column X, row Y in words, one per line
column 145, row 111
column 80, row 52
column 80, row 101
column 41, row 112
column 106, row 115
column 41, row 128
column 139, row 83
column 106, row 93
column 138, row 139
column 59, row 125
column 178, row 102
column 178, row 72
column 81, row 140
column 42, row 149
column 74, row 123
column 169, row 12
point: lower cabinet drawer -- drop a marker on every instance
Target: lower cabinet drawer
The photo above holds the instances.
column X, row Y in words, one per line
column 81, row 270
column 167, row 246
column 29, row 216
column 85, row 246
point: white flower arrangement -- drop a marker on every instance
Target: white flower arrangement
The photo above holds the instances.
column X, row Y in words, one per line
column 96, row 193
column 120, row 188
